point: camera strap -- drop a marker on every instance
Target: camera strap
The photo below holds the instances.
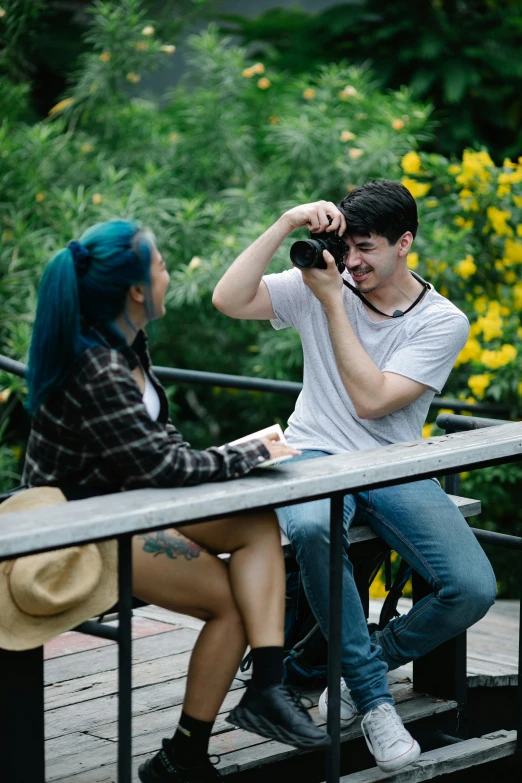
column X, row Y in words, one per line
column 397, row 313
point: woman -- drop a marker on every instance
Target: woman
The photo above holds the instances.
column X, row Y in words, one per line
column 100, row 424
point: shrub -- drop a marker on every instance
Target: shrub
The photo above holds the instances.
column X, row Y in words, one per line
column 208, row 169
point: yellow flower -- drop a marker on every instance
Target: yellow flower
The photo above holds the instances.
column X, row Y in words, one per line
column 142, row 46
column 470, row 353
column 4, row 395
column 503, row 190
column 417, row 189
column 481, row 304
column 495, row 359
column 105, row 57
column 258, row 68
column 397, row 124
column 86, row 147
column 40, row 197
column 411, row 163
column 348, row 92
column 490, row 325
column 229, row 240
column 273, row 120
column 517, row 201
column 168, row 48
column 427, row 430
column 377, row 589
column 513, row 251
column 475, row 171
column 263, row 83
column 61, row 106
column 173, row 137
column 355, row 153
column 2, row 12
column 148, row 30
column 248, row 73
column 479, row 383
column 413, row 260
column 309, row 93
column 194, row 262
column 431, row 202
column 134, row 78
column 520, row 389
column 511, row 277
column 454, row 169
column 498, row 219
column 519, row 231
column 462, row 222
column 97, row 198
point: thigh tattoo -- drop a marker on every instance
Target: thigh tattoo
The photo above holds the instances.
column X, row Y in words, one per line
column 165, row 543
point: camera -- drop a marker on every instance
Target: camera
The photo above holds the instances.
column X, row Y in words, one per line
column 308, row 253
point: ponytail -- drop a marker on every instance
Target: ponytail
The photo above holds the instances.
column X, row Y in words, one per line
column 85, row 284
column 56, row 334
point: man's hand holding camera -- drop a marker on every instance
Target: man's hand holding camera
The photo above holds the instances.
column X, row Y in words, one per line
column 316, row 217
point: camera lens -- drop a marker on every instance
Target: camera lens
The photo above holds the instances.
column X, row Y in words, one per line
column 307, row 253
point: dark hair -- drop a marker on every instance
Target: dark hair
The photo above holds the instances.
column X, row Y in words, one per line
column 382, row 207
column 84, row 284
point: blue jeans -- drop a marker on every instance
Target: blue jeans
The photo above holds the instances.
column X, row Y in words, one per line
column 421, row 524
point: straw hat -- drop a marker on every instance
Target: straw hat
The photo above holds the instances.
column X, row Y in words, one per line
column 43, row 595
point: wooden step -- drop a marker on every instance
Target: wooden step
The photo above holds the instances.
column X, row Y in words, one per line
column 444, row 761
column 467, row 507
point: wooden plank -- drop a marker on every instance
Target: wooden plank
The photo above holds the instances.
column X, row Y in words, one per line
column 81, row 689
column 103, row 709
column 238, row 749
column 467, row 506
column 104, row 659
column 444, row 761
column 146, row 509
column 417, row 708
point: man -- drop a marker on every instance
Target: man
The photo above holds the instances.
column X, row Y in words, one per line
column 373, row 360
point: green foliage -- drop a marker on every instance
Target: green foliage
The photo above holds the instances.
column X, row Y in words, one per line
column 209, row 168
column 462, row 55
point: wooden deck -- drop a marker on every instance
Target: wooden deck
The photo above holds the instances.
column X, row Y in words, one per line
column 81, row 693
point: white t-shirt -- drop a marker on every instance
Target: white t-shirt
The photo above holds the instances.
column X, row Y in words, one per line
column 422, row 345
column 151, row 399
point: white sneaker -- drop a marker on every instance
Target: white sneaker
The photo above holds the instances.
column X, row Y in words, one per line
column 348, row 709
column 388, row 740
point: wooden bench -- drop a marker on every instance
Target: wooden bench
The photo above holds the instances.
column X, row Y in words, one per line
column 126, row 514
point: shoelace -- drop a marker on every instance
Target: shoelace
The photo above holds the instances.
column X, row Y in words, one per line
column 297, row 698
column 387, row 727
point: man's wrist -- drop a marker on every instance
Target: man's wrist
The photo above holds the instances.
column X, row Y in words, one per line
column 333, row 305
column 285, row 224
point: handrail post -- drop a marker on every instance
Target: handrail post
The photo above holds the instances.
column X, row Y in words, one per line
column 22, row 750
column 333, row 763
column 519, row 682
column 124, row 658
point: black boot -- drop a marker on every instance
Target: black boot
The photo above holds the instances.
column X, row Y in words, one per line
column 277, row 713
column 162, row 768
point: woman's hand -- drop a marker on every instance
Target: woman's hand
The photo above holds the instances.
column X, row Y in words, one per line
column 276, row 447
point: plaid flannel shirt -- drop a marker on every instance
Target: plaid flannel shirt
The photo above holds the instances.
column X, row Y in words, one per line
column 94, row 432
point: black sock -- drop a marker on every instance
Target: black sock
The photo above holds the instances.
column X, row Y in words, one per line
column 190, row 742
column 267, row 667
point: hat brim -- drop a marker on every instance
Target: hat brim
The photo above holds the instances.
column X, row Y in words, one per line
column 20, row 631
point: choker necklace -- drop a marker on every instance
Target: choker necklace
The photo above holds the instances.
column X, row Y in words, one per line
column 397, row 313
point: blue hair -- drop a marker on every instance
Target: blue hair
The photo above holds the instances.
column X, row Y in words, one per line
column 119, row 256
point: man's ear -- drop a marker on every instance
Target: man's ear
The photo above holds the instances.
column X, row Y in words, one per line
column 404, row 244
column 137, row 293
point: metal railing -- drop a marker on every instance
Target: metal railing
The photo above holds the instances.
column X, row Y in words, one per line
column 223, row 380
column 123, row 633
column 452, row 424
